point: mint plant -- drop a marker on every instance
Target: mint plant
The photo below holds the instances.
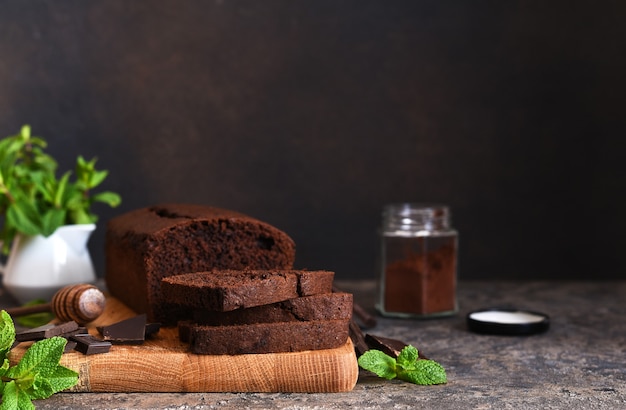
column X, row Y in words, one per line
column 38, row 375
column 33, row 200
column 408, row 367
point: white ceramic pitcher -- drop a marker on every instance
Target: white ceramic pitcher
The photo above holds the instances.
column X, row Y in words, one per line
column 39, row 266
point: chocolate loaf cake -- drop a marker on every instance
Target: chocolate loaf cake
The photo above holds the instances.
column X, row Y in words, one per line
column 146, row 245
column 268, row 337
column 328, row 306
column 229, row 290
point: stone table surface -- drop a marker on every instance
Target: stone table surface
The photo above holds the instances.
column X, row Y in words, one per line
column 579, row 363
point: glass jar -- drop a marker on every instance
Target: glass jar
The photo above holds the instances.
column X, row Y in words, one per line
column 418, row 270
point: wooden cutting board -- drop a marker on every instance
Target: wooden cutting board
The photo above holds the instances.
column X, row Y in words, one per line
column 164, row 364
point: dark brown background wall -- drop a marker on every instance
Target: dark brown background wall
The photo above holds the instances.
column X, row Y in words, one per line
column 311, row 115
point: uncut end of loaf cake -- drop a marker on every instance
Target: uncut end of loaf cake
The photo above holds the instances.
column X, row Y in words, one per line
column 146, row 245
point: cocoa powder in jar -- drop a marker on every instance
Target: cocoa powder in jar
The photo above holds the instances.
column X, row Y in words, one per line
column 423, row 281
column 419, row 262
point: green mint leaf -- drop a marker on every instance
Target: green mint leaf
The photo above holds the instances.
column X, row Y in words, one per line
column 379, row 363
column 60, row 189
column 424, row 372
column 97, row 177
column 38, row 375
column 9, row 396
column 24, row 402
column 25, row 131
column 110, row 198
column 24, row 217
column 80, row 162
column 62, row 378
column 414, row 370
column 5, row 366
column 41, row 358
column 80, row 216
column 407, row 357
column 15, row 399
column 74, row 200
column 51, row 220
column 7, row 334
column 40, row 389
column 407, row 367
column 3, row 370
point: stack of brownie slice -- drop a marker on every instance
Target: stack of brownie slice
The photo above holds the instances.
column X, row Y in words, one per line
column 259, row 311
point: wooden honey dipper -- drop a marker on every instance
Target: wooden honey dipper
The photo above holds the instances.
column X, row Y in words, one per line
column 81, row 303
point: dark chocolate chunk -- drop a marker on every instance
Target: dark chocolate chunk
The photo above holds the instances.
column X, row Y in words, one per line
column 47, row 331
column 358, row 340
column 69, row 346
column 129, row 331
column 36, row 333
column 77, row 331
column 88, row 344
column 81, row 330
column 391, row 347
column 152, row 329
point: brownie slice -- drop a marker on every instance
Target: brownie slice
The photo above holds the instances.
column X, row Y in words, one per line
column 328, row 306
column 224, row 291
column 145, row 245
column 268, row 337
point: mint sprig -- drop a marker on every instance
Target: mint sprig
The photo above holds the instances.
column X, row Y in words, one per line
column 33, row 200
column 408, row 367
column 38, row 375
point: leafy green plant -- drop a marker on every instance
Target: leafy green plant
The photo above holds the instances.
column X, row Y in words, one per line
column 408, row 367
column 33, row 200
column 38, row 374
